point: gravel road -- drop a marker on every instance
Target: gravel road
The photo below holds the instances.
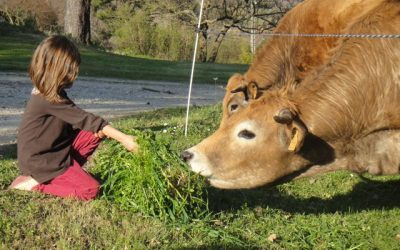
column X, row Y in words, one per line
column 109, row 98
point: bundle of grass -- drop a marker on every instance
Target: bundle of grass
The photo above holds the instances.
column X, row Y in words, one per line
column 153, row 181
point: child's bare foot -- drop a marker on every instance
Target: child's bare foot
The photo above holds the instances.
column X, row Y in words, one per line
column 23, row 183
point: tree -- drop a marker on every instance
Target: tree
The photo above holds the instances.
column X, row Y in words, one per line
column 173, row 23
column 220, row 17
column 77, row 20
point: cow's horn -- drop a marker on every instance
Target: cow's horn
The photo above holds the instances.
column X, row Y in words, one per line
column 284, row 116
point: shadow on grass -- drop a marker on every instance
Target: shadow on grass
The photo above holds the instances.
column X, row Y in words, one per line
column 366, row 195
column 8, row 151
column 151, row 128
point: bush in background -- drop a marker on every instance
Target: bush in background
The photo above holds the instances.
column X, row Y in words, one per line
column 33, row 15
column 18, row 17
column 133, row 35
column 173, row 42
column 235, row 49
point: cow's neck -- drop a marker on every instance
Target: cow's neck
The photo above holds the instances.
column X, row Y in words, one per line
column 341, row 108
column 352, row 99
column 358, row 91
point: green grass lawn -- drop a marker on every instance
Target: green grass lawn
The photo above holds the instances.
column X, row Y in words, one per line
column 333, row 211
column 16, row 49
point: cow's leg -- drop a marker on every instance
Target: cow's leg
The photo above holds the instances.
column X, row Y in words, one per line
column 379, row 153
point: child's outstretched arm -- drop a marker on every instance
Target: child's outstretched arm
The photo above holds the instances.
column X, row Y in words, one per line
column 128, row 141
column 83, row 120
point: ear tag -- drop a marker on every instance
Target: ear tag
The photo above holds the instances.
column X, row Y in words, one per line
column 294, row 142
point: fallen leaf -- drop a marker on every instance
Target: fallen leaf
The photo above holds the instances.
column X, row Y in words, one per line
column 272, row 237
column 218, row 223
column 287, row 216
column 258, row 210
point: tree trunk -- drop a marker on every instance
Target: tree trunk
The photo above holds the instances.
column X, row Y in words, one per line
column 203, row 48
column 77, row 20
column 217, row 44
column 203, row 42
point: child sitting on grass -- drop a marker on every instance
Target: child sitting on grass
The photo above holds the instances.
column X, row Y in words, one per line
column 56, row 137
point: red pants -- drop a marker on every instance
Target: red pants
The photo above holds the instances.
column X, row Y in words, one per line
column 75, row 182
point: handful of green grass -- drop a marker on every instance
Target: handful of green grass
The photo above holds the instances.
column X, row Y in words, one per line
column 153, row 181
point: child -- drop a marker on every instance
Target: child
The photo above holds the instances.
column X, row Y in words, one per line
column 56, row 137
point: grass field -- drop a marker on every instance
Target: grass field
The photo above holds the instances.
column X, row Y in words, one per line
column 16, row 49
column 334, row 211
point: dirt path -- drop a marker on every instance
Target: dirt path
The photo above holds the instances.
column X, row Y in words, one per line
column 109, row 98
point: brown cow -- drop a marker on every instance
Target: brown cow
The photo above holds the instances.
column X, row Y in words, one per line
column 283, row 60
column 339, row 118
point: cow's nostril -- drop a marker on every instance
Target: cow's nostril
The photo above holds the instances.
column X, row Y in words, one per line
column 246, row 134
column 186, row 156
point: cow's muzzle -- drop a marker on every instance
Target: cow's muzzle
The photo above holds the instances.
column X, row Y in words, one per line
column 186, row 156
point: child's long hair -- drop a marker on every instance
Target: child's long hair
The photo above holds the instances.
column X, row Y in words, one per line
column 54, row 66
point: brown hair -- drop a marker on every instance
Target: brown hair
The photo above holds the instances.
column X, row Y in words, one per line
column 54, row 66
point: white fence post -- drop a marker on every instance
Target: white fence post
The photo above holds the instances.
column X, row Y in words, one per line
column 193, row 64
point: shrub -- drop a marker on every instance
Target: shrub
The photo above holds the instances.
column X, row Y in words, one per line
column 141, row 36
column 18, row 17
column 133, row 36
column 33, row 15
column 173, row 42
column 234, row 49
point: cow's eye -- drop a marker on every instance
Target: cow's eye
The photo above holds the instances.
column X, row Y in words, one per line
column 233, row 107
column 246, row 134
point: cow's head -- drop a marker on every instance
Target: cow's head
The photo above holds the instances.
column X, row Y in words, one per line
column 257, row 146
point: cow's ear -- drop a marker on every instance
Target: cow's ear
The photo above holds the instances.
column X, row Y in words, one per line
column 295, row 129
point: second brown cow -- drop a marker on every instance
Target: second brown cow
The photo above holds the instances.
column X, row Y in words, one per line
column 288, row 60
column 343, row 116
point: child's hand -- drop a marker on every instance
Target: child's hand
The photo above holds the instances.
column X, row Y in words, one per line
column 99, row 135
column 129, row 142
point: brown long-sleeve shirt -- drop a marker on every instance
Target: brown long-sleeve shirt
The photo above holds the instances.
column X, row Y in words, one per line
column 46, row 133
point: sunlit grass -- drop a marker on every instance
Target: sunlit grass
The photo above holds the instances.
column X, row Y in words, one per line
column 333, row 211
